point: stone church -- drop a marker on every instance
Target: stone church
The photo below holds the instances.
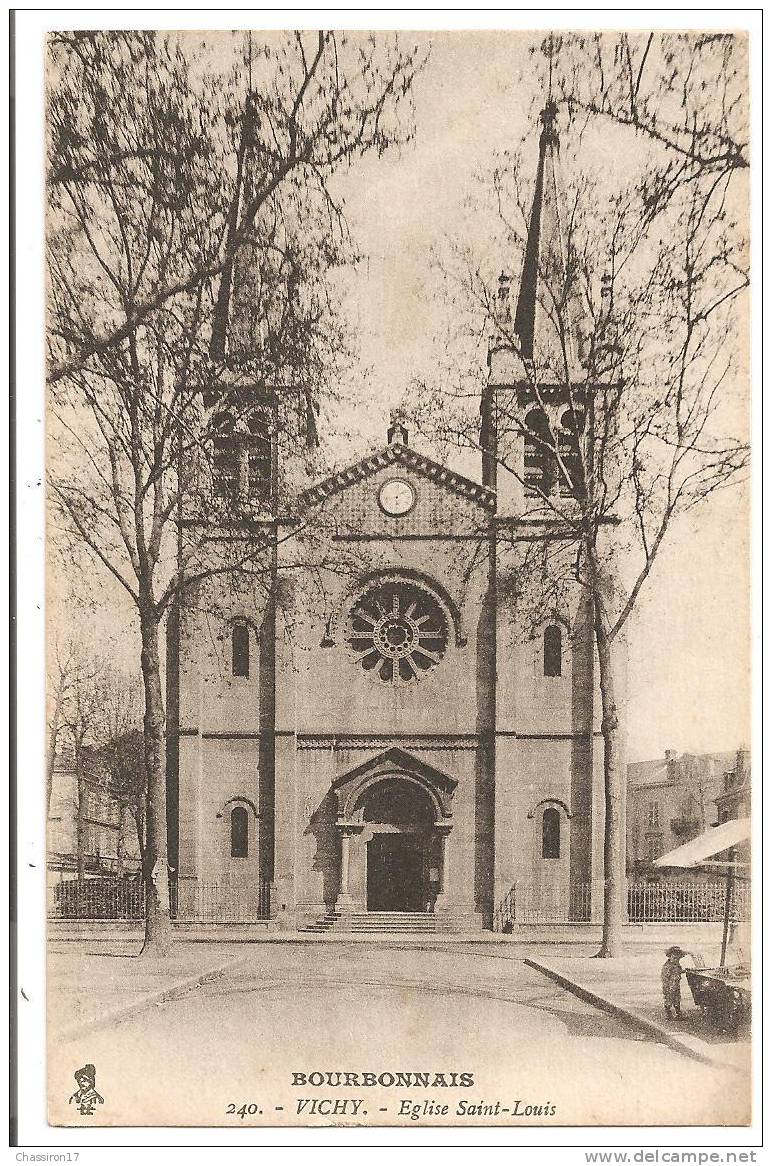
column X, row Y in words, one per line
column 384, row 746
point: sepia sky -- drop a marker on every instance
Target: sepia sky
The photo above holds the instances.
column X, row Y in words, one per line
column 688, row 643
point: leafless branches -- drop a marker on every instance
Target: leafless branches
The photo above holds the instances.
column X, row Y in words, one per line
column 686, row 92
column 193, row 230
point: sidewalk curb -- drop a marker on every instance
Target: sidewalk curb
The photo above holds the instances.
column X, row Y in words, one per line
column 160, row 996
column 648, row 1027
column 482, row 939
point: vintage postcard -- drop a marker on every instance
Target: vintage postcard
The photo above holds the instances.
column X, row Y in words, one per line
column 399, row 759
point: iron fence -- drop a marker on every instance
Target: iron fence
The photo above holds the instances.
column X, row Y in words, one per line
column 222, row 902
column 686, row 901
column 97, row 899
column 124, row 899
column 534, row 903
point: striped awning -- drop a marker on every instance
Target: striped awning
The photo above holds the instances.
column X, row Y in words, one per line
column 707, row 845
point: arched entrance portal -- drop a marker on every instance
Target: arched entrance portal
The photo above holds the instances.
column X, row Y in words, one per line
column 403, row 852
column 395, row 824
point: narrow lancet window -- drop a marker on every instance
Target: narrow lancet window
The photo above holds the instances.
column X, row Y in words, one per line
column 553, row 650
column 240, row 649
column 550, row 833
column 239, row 832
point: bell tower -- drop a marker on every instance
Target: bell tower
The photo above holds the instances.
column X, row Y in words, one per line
column 542, row 370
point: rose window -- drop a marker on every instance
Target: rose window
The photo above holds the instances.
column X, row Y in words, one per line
column 398, row 631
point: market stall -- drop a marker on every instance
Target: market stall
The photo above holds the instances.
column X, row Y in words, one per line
column 723, row 994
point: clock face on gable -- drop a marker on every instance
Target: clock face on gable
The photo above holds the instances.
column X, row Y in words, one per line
column 396, row 497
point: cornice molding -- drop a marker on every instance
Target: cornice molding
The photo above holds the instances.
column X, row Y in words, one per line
column 381, row 742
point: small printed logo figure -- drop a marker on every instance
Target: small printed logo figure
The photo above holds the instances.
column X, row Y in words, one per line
column 86, row 1096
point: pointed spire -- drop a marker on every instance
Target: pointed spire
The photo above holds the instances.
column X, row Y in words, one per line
column 218, row 345
column 546, row 303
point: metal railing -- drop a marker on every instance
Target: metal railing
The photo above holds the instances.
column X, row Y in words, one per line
column 221, row 902
column 686, row 901
column 124, row 899
column 533, row 903
column 665, row 901
column 98, row 898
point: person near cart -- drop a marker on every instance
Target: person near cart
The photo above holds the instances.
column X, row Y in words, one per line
column 671, row 981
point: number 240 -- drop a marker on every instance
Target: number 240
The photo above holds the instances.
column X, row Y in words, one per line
column 244, row 1110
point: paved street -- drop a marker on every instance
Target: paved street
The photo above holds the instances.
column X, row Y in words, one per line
column 236, row 1041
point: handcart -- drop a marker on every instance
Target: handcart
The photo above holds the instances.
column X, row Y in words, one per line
column 723, row 995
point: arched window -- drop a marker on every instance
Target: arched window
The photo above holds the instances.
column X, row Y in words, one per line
column 258, row 446
column 241, row 457
column 240, row 649
column 550, row 833
column 539, row 466
column 571, row 425
column 553, row 650
column 239, row 832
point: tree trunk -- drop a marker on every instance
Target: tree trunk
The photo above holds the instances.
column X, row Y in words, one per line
column 614, row 780
column 158, row 927
column 139, row 821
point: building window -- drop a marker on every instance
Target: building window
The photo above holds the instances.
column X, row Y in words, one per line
column 539, row 454
column 553, row 650
column 398, row 631
column 654, row 813
column 550, row 833
column 241, row 458
column 258, row 447
column 239, row 832
column 225, row 459
column 569, row 471
column 240, row 649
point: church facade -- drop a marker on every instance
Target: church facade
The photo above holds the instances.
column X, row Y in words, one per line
column 375, row 739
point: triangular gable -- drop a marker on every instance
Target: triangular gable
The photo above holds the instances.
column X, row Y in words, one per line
column 394, row 762
column 400, row 454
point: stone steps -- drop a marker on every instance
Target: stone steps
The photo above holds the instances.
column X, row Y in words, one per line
column 385, row 922
column 391, row 921
column 326, row 923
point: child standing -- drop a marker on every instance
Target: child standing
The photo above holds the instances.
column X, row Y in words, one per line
column 671, row 981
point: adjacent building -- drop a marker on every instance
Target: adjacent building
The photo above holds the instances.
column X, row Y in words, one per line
column 89, row 826
column 734, row 798
column 673, row 800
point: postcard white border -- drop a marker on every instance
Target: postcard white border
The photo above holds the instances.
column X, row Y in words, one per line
column 30, row 28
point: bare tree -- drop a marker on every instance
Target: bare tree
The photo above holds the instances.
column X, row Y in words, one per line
column 194, row 229
column 640, row 302
column 122, row 755
column 124, row 759
column 653, row 83
column 77, row 697
column 61, row 677
column 319, row 101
